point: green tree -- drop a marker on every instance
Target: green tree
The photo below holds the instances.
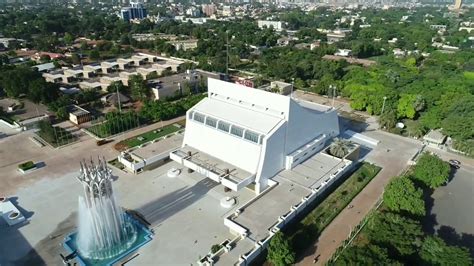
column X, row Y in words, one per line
column 431, row 170
column 395, row 231
column 279, row 251
column 68, row 38
column 409, row 105
column 339, row 147
column 94, row 55
column 116, row 85
column 388, row 120
column 138, row 87
column 365, row 255
column 75, row 59
column 401, row 195
column 435, row 251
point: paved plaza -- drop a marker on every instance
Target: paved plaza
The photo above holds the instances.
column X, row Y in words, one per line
column 184, row 213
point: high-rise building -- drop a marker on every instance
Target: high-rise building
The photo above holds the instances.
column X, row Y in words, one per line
column 209, row 9
column 136, row 10
column 457, row 4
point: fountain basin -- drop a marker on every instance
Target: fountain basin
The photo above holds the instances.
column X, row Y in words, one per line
column 143, row 236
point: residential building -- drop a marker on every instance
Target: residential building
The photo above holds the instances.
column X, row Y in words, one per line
column 209, row 9
column 79, row 115
column 184, row 44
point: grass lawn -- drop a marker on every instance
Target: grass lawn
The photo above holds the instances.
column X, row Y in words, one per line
column 304, row 233
column 148, row 136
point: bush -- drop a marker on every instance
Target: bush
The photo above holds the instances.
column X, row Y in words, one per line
column 27, row 165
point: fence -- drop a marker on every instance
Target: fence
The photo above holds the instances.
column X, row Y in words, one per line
column 353, row 234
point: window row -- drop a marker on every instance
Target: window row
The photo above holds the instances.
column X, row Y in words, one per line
column 226, row 127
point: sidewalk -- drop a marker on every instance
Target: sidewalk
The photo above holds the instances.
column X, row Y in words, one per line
column 393, row 163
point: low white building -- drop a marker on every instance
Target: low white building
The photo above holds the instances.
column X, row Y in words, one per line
column 238, row 135
column 276, row 25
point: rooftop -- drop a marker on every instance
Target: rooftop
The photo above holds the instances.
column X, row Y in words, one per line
column 256, row 121
column 159, row 146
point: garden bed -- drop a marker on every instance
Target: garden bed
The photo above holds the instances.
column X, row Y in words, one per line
column 26, row 166
column 146, row 137
column 304, row 233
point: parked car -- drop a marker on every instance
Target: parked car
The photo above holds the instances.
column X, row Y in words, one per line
column 456, row 162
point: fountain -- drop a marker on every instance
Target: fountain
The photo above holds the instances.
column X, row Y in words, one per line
column 105, row 233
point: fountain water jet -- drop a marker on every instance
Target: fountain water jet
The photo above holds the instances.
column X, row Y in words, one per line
column 104, row 231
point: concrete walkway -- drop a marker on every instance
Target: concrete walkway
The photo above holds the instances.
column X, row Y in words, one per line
column 393, row 163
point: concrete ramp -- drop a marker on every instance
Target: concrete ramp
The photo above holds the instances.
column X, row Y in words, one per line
column 360, row 138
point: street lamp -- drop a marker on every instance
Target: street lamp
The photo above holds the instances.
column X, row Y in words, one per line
column 292, row 87
column 333, row 87
column 383, row 105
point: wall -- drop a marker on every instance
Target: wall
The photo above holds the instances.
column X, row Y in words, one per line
column 239, row 152
column 300, row 131
column 272, row 159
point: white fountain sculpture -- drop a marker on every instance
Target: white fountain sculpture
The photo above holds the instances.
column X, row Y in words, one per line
column 104, row 230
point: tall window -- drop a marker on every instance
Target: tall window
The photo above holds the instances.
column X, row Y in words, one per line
column 223, row 126
column 252, row 136
column 198, row 117
column 211, row 121
column 237, row 131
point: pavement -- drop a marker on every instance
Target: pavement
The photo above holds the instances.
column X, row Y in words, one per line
column 458, row 192
column 54, row 163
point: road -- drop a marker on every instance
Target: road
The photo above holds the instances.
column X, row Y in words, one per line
column 392, row 154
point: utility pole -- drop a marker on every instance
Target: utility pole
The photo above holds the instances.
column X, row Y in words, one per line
column 227, row 54
column 118, row 98
column 383, row 105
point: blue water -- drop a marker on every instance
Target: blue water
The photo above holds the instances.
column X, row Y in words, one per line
column 143, row 237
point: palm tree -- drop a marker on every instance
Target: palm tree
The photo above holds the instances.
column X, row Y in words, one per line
column 339, row 148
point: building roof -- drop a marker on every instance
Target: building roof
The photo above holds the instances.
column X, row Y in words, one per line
column 435, row 136
column 113, row 99
column 240, row 116
column 45, row 67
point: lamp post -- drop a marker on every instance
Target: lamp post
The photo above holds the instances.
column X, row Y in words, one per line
column 383, row 105
column 333, row 87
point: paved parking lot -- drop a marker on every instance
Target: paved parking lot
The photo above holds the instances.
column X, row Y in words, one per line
column 454, row 203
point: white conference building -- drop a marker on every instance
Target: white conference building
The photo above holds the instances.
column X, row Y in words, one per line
column 239, row 136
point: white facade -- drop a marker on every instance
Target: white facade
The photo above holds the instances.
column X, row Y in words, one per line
column 256, row 131
column 277, row 25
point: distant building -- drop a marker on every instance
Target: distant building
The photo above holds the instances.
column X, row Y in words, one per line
column 209, row 10
column 184, row 44
column 136, row 11
column 114, row 98
column 343, row 52
column 276, row 25
column 335, row 36
column 79, row 115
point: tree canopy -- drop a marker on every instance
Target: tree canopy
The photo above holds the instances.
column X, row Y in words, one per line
column 279, row 251
column 431, row 170
column 402, row 195
column 434, row 251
